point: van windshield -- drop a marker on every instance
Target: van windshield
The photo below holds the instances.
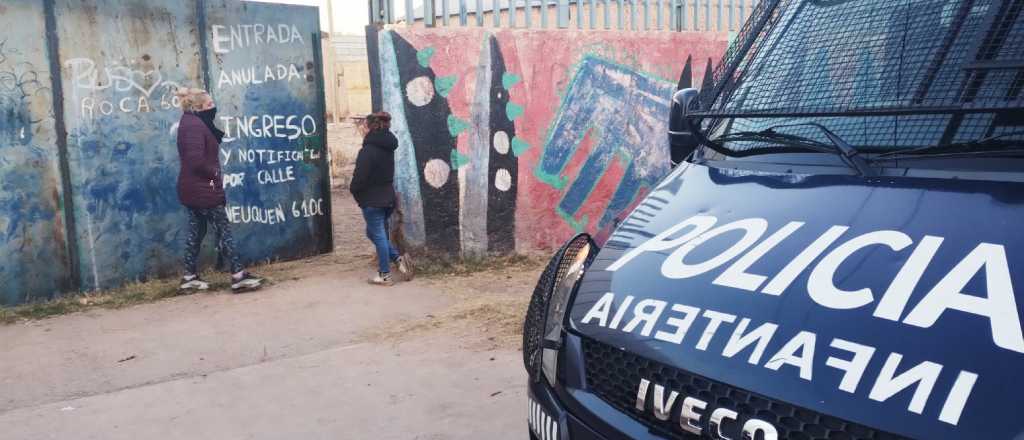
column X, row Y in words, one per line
column 884, row 75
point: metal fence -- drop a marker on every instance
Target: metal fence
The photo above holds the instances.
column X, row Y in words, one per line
column 623, row 15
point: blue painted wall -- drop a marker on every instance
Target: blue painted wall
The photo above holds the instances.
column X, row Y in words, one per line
column 33, row 254
column 114, row 97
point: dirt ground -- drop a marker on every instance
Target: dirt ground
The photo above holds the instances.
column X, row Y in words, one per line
column 318, row 354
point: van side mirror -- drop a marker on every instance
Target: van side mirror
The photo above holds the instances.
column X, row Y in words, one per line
column 681, row 140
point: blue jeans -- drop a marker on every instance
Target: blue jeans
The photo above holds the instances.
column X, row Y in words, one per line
column 377, row 232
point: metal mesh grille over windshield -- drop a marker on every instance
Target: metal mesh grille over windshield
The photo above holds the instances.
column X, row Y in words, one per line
column 880, row 73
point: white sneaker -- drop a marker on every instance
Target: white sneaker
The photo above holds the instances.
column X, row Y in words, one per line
column 192, row 282
column 405, row 267
column 247, row 282
column 382, row 279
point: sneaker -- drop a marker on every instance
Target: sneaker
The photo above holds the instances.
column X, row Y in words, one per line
column 405, row 267
column 382, row 279
column 248, row 281
column 192, row 282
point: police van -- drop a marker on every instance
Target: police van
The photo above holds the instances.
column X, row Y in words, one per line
column 835, row 256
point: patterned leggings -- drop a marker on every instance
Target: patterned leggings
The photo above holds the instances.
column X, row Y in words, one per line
column 218, row 219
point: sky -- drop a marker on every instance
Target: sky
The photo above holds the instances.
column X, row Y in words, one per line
column 350, row 16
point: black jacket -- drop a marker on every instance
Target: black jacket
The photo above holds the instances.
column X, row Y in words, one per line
column 374, row 176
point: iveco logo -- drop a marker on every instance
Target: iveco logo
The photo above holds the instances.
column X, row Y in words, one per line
column 693, row 412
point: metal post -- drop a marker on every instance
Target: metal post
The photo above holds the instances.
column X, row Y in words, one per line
column 672, row 16
column 444, row 12
column 707, row 15
column 511, row 13
column 374, row 11
column 563, row 14
column 743, row 15
column 329, row 61
column 732, row 16
column 496, row 13
column 579, row 14
column 543, row 14
column 659, row 14
column 696, row 15
column 409, row 18
column 593, row 13
column 682, row 16
column 619, row 11
column 479, row 13
column 647, row 17
column 529, row 13
column 632, row 15
column 429, row 18
column 607, row 15
column 718, row 17
column 462, row 13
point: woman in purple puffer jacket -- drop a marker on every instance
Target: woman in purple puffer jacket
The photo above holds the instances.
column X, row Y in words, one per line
column 201, row 190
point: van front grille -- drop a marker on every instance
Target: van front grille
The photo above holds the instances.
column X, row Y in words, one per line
column 614, row 375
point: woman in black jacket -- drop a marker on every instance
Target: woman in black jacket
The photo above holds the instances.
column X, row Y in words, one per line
column 372, row 187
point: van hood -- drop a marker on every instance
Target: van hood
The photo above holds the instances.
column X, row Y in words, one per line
column 887, row 302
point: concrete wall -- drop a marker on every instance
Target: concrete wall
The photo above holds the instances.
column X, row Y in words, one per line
column 517, row 139
column 88, row 127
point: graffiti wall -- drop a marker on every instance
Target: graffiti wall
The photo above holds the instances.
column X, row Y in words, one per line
column 88, row 197
column 264, row 71
column 517, row 139
column 33, row 241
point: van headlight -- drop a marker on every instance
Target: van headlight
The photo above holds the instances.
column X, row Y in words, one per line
column 545, row 318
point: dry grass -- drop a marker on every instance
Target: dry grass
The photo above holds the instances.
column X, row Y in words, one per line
column 482, row 323
column 147, row 292
column 490, row 302
column 132, row 294
column 430, row 269
column 441, row 267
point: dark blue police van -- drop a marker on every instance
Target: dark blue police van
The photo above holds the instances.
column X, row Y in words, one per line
column 834, row 257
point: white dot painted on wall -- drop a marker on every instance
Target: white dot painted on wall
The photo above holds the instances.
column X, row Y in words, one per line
column 420, row 91
column 502, row 180
column 501, row 142
column 436, row 172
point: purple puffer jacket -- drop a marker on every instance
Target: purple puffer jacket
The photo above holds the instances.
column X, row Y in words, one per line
column 200, row 182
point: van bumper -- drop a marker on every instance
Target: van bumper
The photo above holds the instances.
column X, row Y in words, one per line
column 571, row 411
column 549, row 420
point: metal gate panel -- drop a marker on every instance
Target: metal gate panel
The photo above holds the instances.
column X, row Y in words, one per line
column 33, row 256
column 120, row 63
column 262, row 71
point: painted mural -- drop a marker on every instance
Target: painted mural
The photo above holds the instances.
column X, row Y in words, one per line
column 517, row 139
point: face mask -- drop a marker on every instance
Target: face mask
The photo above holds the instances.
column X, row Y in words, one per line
column 210, row 112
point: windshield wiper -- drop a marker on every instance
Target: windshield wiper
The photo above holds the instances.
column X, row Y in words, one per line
column 849, row 155
column 979, row 147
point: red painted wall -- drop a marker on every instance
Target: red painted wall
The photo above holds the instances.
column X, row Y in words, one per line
column 591, row 102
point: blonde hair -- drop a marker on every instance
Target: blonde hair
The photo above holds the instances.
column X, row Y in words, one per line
column 192, row 100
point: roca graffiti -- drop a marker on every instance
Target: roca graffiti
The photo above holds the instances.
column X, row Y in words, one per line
column 515, row 139
column 88, row 127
